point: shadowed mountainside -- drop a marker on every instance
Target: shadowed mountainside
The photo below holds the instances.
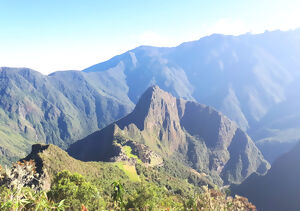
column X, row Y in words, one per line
column 279, row 189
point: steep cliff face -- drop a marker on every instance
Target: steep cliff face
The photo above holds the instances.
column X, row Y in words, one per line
column 194, row 134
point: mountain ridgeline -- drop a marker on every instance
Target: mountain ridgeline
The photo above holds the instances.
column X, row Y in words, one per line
column 175, row 129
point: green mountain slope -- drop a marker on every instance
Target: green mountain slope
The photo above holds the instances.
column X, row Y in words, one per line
column 51, row 160
column 279, row 189
column 138, row 187
column 57, row 109
column 174, row 129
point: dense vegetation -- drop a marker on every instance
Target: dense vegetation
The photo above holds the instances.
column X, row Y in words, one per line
column 74, row 192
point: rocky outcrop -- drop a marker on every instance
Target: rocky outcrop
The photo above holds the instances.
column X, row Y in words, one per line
column 34, row 156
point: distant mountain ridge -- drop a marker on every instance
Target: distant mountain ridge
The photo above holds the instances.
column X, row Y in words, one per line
column 193, row 134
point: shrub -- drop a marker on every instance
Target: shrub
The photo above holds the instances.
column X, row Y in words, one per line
column 75, row 190
column 212, row 199
column 27, row 199
column 21, row 189
column 147, row 197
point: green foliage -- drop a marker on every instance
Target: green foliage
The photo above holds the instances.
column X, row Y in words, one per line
column 75, row 190
column 213, row 199
column 21, row 188
column 93, row 185
column 146, row 197
column 118, row 193
column 27, row 199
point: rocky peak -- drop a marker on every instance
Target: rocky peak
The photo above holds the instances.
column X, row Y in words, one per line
column 161, row 118
column 154, row 105
column 197, row 134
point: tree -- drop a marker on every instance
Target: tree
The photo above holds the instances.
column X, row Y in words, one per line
column 75, row 190
column 117, row 194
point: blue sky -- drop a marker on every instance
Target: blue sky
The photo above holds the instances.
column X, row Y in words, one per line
column 51, row 35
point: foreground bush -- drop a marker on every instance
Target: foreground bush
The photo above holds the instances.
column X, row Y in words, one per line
column 21, row 188
column 75, row 191
column 152, row 197
column 212, row 199
column 27, row 199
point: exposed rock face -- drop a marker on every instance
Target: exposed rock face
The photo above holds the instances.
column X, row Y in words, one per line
column 195, row 134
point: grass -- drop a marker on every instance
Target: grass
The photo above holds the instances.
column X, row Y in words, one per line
column 130, row 171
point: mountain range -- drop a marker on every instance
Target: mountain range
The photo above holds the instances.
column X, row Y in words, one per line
column 252, row 79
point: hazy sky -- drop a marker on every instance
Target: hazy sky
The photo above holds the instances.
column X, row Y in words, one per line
column 50, row 35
